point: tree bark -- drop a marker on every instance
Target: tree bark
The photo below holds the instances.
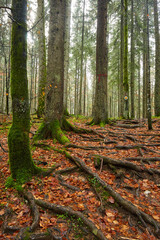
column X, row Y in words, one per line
column 42, row 58
column 125, row 62
column 132, row 61
column 121, row 59
column 101, row 106
column 149, row 114
column 55, row 75
column 157, row 61
column 21, row 163
column 66, row 52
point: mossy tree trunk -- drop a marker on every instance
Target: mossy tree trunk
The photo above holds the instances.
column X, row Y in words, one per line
column 125, row 62
column 157, row 60
column 42, row 58
column 55, row 75
column 21, row 163
column 101, row 105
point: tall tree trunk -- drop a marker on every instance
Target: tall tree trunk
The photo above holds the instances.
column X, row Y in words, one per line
column 101, row 106
column 84, row 92
column 149, row 115
column 55, row 75
column 132, row 60
column 139, row 87
column 157, row 60
column 66, row 52
column 144, row 64
column 121, row 61
column 125, row 62
column 82, row 56
column 20, row 160
column 42, row 58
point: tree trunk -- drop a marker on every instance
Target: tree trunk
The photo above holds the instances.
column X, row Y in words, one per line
column 66, row 52
column 149, row 115
column 100, row 106
column 157, row 61
column 55, row 75
column 21, row 163
column 125, row 62
column 84, row 92
column 144, row 65
column 121, row 61
column 42, row 58
column 132, row 61
column 82, row 56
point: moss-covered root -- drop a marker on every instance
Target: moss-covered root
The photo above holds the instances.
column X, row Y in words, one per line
column 57, row 132
column 51, row 130
column 20, row 159
column 67, row 126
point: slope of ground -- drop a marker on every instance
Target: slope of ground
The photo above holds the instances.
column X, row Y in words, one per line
column 96, row 176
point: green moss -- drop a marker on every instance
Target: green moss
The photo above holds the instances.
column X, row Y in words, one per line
column 51, row 130
column 57, row 132
column 21, row 164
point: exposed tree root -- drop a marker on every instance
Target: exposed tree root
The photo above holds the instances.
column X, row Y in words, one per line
column 143, row 159
column 67, row 170
column 124, row 164
column 119, row 147
column 63, row 183
column 5, row 227
column 35, row 213
column 127, row 205
column 3, row 148
column 65, row 210
column 51, row 130
column 128, row 126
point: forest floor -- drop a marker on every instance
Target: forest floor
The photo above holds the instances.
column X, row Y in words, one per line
column 105, row 171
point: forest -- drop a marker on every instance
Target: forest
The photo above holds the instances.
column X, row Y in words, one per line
column 79, row 119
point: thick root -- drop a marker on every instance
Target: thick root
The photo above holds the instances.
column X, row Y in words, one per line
column 66, row 210
column 51, row 130
column 70, row 127
column 127, row 205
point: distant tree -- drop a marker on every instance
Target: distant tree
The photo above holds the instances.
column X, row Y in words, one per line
column 132, row 60
column 66, row 53
column 157, row 60
column 20, row 160
column 42, row 57
column 149, row 116
column 125, row 61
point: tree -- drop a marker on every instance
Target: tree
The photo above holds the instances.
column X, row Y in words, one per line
column 132, row 60
column 55, row 75
column 157, row 60
column 149, row 116
column 66, row 53
column 122, row 62
column 125, row 61
column 100, row 106
column 20, row 160
column 42, row 57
